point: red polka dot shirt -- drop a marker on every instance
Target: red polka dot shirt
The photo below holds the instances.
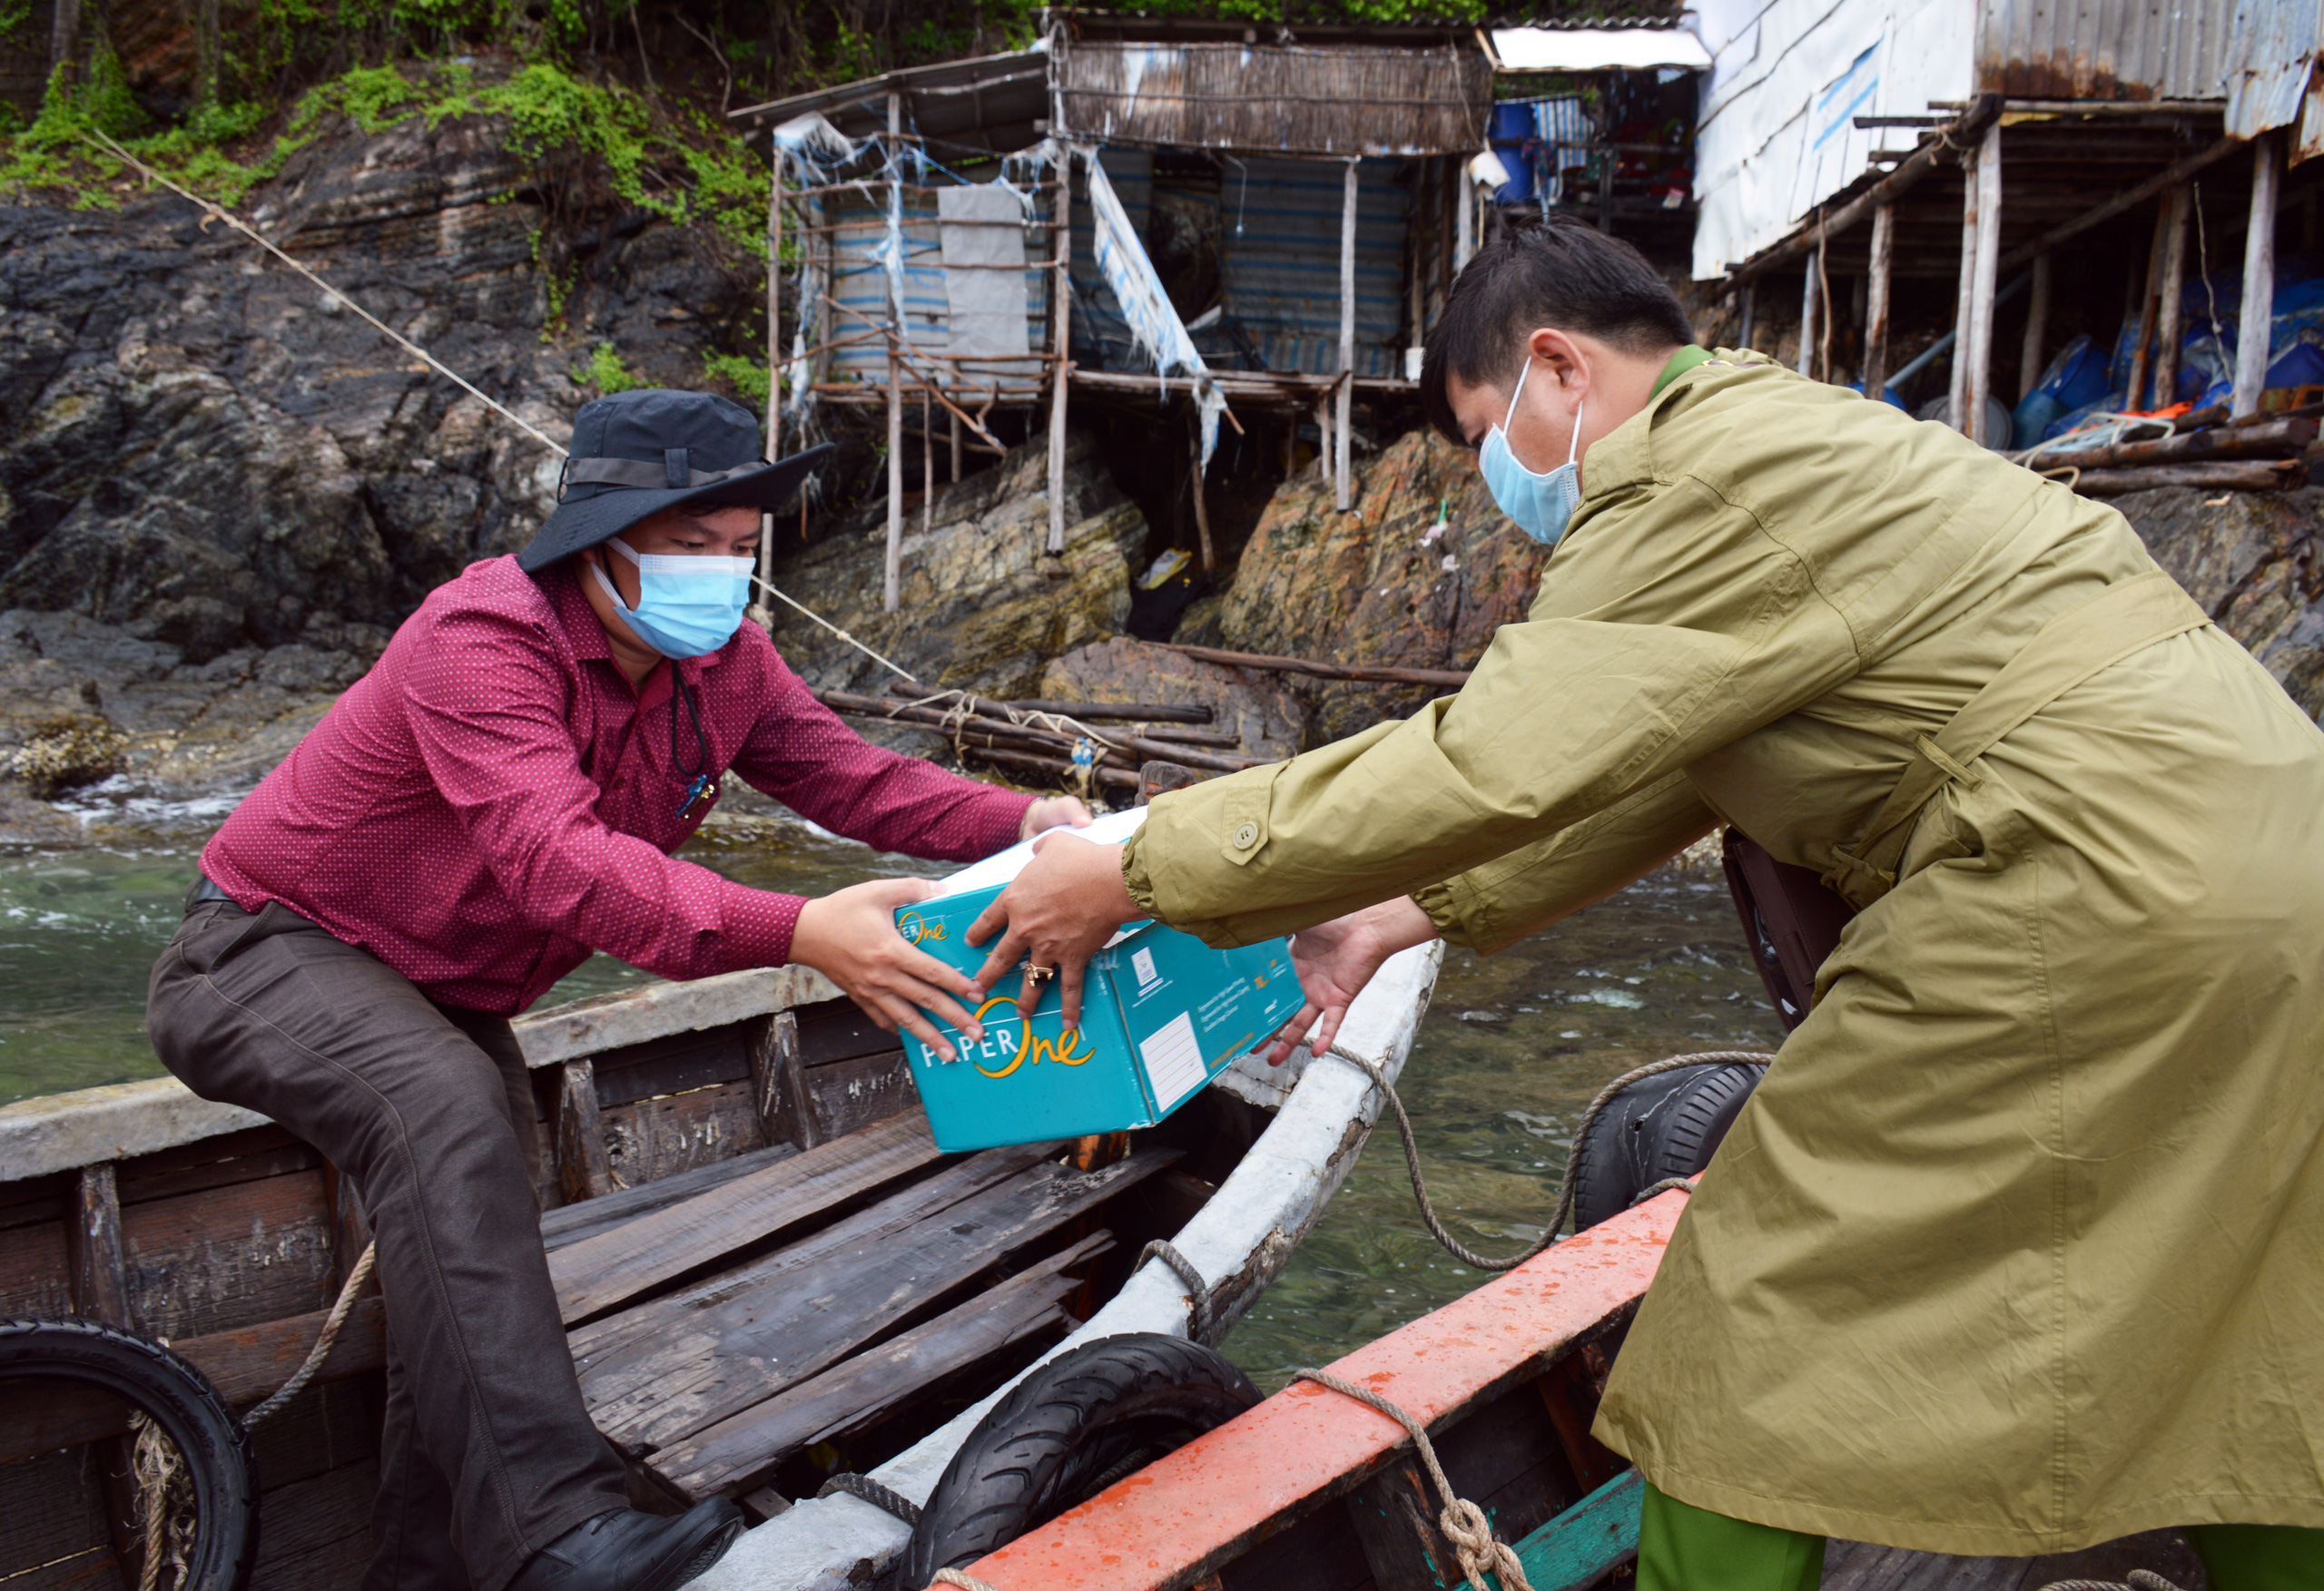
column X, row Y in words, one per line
column 494, row 800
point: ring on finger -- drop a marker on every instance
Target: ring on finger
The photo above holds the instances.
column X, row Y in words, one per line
column 1037, row 974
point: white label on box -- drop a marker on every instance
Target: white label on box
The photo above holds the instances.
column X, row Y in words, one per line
column 1143, row 959
column 1172, row 1061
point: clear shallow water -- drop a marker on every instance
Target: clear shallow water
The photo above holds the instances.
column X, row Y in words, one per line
column 1512, row 1050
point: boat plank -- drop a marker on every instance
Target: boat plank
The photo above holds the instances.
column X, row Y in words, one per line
column 35, row 1271
column 318, row 1531
column 594, row 1343
column 1394, row 1517
column 53, row 1531
column 740, row 1451
column 724, row 1358
column 1581, row 1543
column 598, row 1272
column 570, row 1224
column 672, row 1133
column 1317, row 1554
column 207, row 1262
column 1307, row 1445
column 672, row 1066
column 853, row 1093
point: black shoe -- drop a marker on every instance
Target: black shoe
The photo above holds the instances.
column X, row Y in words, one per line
column 626, row 1550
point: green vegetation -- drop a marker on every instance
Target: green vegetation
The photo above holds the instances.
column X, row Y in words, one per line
column 606, row 370
column 746, row 376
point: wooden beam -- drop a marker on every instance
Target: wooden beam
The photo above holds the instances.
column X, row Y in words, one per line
column 891, row 577
column 93, row 1243
column 1061, row 345
column 2170, row 319
column 2258, row 276
column 2128, row 199
column 1876, row 302
column 1808, row 306
column 2037, row 331
column 1201, row 510
column 1979, row 347
column 582, row 1170
column 1957, row 397
column 1343, row 488
column 779, row 1084
column 2149, row 291
column 1750, row 307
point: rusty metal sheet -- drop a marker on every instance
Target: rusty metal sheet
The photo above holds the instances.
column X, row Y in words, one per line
column 1274, row 98
column 2270, row 60
column 2108, row 49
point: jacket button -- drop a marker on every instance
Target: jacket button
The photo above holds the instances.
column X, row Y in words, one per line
column 1247, row 835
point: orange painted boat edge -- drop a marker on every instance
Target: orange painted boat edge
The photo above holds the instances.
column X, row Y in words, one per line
column 1199, row 1507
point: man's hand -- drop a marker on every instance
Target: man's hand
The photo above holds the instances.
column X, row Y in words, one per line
column 1335, row 959
column 1053, row 812
column 849, row 936
column 1060, row 910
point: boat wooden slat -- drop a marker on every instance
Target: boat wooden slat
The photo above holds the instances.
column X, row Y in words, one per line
column 673, row 1133
column 35, row 1271
column 570, row 1224
column 1394, row 1516
column 838, row 1030
column 598, row 1272
column 674, row 1065
column 594, row 1343
column 699, row 1371
column 51, row 1512
column 742, row 1449
column 204, row 1263
column 213, row 1163
column 318, row 1531
column 1320, row 1553
column 1581, row 1543
column 1308, row 1445
column 854, row 1092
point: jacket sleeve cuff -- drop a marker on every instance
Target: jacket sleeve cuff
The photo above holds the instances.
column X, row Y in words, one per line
column 1135, row 879
column 760, row 926
column 1452, row 906
column 1005, row 810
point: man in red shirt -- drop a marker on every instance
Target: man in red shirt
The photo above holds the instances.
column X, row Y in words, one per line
column 496, row 799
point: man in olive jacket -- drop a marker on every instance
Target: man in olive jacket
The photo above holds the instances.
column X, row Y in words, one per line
column 2019, row 1246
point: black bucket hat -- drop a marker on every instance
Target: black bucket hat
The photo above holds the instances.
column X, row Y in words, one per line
column 637, row 453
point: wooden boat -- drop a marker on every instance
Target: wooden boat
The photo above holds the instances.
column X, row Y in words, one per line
column 730, row 1164
column 1315, row 1491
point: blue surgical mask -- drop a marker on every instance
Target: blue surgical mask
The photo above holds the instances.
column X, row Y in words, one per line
column 1539, row 504
column 687, row 603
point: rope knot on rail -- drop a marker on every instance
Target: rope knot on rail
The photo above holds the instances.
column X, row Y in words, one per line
column 1482, row 1553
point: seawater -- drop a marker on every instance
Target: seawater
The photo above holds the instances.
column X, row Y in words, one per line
column 1514, row 1047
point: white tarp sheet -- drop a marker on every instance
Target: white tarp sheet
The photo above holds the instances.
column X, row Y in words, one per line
column 983, row 226
column 1598, row 49
column 1154, row 323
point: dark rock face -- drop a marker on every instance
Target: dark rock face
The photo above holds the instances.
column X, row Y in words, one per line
column 1271, row 721
column 2255, row 560
column 982, row 605
column 199, row 446
column 1375, row 586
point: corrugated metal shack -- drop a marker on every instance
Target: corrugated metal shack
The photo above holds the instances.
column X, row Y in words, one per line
column 2036, row 165
column 1257, row 221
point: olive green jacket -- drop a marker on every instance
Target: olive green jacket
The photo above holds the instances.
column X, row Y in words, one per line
column 2021, row 1243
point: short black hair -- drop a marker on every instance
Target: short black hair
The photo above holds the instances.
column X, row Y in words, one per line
column 1544, row 272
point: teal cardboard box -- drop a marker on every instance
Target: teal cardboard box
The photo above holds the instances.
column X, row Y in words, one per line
column 1162, row 1013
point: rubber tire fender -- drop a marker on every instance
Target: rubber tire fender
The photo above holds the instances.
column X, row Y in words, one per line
column 1066, row 1432
column 179, row 1398
column 1660, row 1127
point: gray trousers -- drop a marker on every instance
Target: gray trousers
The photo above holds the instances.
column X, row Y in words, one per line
column 487, row 1454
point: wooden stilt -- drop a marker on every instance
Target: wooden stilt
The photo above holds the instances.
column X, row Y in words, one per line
column 2258, row 276
column 1324, row 437
column 1201, row 510
column 1465, row 213
column 892, row 582
column 1957, row 397
column 956, row 449
column 2037, row 331
column 1343, row 488
column 1750, row 307
column 1060, row 346
column 1807, row 313
column 1875, row 301
column 774, row 354
column 93, row 1243
column 2149, row 297
column 927, row 462
column 1984, row 278
column 2170, row 322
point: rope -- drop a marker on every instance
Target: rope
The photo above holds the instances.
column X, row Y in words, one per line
column 1465, row 1524
column 164, row 1504
column 2140, row 1580
column 324, row 1340
column 1558, row 1218
column 255, row 236
column 966, row 1582
column 863, row 1488
column 901, row 672
column 1199, row 1316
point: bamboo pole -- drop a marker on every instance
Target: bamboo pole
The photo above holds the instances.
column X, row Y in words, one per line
column 1808, row 306
column 927, row 465
column 2037, row 330
column 2169, row 322
column 892, row 582
column 1202, row 511
column 1957, row 397
column 2142, row 357
column 1876, row 302
column 1750, row 304
column 1061, row 345
column 956, row 447
column 2259, row 278
column 1987, row 267
column 1343, row 488
column 1465, row 217
column 773, row 348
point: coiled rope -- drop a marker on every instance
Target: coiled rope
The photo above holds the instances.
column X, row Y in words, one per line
column 2140, row 1580
column 1198, row 1315
column 863, row 1488
column 1564, row 1210
column 1465, row 1524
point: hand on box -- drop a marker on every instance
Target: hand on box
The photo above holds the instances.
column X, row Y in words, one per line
column 1335, row 959
column 849, row 936
column 1059, row 912
column 1054, row 812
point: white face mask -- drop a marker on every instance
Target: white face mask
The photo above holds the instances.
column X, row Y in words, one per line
column 1539, row 504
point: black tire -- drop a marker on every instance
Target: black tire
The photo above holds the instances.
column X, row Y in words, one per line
column 1064, row 1434
column 1662, row 1126
column 180, row 1399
